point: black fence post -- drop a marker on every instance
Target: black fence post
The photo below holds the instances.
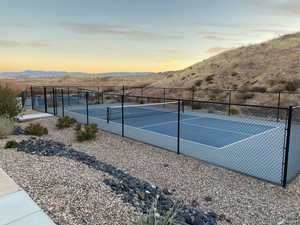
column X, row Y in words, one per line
column 32, row 98
column 229, row 103
column 178, row 126
column 98, row 95
column 23, row 99
column 123, row 116
column 287, row 147
column 63, row 103
column 193, row 97
column 102, row 97
column 68, row 96
column 87, row 107
column 78, row 97
column 164, row 95
column 53, row 101
column 278, row 105
column 45, row 100
column 123, row 90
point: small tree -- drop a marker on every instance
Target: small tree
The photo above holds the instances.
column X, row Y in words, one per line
column 9, row 106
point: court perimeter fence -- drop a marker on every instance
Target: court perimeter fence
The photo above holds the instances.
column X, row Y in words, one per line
column 260, row 141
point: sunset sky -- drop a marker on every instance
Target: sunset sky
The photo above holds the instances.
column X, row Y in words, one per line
column 133, row 35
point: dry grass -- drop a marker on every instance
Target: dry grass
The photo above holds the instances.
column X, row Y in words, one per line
column 6, row 127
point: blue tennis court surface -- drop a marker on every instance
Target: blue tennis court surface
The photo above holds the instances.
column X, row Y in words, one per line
column 214, row 132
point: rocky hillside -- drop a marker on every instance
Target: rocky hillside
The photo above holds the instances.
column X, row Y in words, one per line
column 269, row 66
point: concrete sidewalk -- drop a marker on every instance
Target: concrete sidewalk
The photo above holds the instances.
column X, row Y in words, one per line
column 16, row 207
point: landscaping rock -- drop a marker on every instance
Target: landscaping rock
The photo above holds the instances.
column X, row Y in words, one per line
column 132, row 190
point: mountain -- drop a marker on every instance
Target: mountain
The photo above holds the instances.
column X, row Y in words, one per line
column 269, row 66
column 34, row 73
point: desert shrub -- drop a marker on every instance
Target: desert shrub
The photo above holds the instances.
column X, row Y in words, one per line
column 9, row 106
column 86, row 132
column 198, row 83
column 244, row 95
column 11, row 144
column 36, row 129
column 234, row 111
column 6, row 126
column 142, row 101
column 154, row 218
column 209, row 78
column 292, row 85
column 259, row 89
column 65, row 122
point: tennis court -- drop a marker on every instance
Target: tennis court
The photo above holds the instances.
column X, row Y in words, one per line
column 215, row 132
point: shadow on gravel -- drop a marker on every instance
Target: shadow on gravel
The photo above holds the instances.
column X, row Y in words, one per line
column 138, row 193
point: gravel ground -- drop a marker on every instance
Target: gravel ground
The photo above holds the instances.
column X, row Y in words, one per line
column 72, row 193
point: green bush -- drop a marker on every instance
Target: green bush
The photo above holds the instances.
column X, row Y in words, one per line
column 65, row 122
column 86, row 132
column 9, row 106
column 154, row 218
column 234, row 111
column 11, row 144
column 36, row 129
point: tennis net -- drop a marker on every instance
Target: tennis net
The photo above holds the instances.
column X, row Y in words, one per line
column 133, row 111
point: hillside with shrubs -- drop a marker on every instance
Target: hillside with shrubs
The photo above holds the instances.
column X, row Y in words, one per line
column 269, row 66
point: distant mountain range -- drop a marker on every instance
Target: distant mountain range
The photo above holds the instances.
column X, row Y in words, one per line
column 36, row 73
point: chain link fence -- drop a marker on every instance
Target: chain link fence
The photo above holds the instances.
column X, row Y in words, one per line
column 260, row 141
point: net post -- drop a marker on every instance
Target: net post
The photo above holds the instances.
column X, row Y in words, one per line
column 229, row 103
column 87, row 106
column 178, row 127
column 287, row 147
column 45, row 100
column 62, row 103
column 32, row 100
column 122, row 115
column 278, row 105
column 123, row 90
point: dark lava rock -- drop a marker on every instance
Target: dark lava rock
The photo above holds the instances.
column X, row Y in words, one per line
column 195, row 203
column 19, row 131
column 132, row 190
column 208, row 198
column 166, row 191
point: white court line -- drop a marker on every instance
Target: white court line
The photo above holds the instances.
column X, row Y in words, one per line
column 162, row 123
column 220, row 129
column 248, row 138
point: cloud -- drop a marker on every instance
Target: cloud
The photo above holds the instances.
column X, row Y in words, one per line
column 216, row 50
column 14, row 44
column 286, row 6
column 127, row 30
column 17, row 25
column 238, row 26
